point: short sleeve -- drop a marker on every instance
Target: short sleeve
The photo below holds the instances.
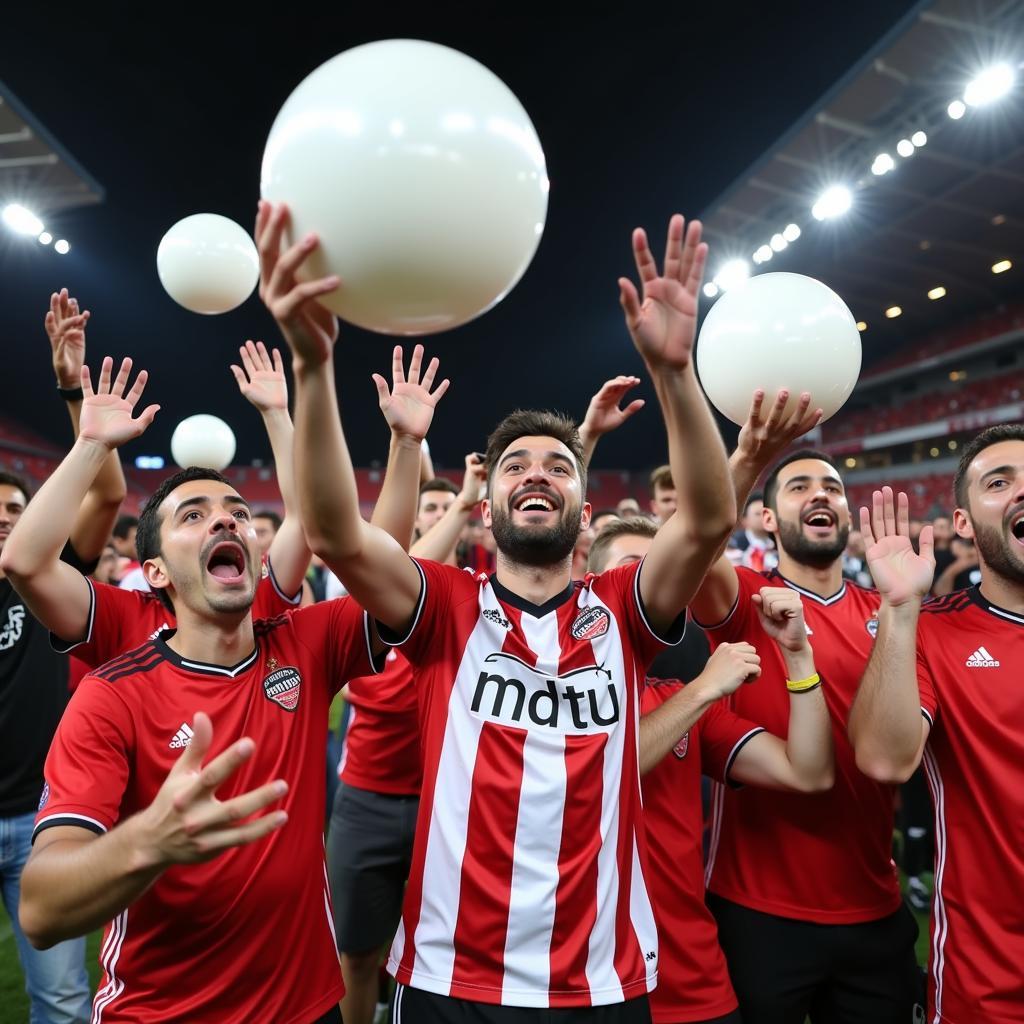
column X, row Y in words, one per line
column 270, row 599
column 926, row 684
column 723, row 734
column 737, row 624
column 87, row 767
column 437, row 590
column 338, row 633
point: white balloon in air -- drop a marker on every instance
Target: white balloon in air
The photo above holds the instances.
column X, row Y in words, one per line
column 203, row 440
column 208, row 263
column 778, row 331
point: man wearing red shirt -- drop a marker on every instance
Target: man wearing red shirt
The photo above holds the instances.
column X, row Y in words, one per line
column 817, row 927
column 951, row 697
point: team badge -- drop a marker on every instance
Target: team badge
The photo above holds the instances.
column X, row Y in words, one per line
column 264, row 571
column 872, row 625
column 682, row 746
column 45, row 795
column 282, row 687
column 590, row 624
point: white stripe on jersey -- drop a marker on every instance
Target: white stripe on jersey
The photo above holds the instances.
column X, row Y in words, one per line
column 344, row 743
column 531, row 917
column 941, row 926
column 641, row 913
column 111, row 952
column 717, row 804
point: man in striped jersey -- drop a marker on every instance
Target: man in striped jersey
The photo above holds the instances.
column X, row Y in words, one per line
column 526, row 889
column 943, row 687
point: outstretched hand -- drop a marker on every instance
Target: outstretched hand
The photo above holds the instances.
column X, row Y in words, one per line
column 663, row 320
column 409, row 404
column 763, row 438
column 603, row 413
column 900, row 574
column 65, row 327
column 262, row 380
column 107, row 412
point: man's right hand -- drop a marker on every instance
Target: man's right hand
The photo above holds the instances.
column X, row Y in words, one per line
column 107, row 412
column 474, row 482
column 187, row 824
column 901, row 575
column 762, row 438
column 728, row 669
column 65, row 327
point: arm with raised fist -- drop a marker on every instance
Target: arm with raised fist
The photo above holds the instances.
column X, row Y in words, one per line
column 604, row 414
column 440, row 541
column 58, row 594
column 65, row 327
column 371, row 564
column 887, row 729
column 663, row 324
column 262, row 382
column 75, row 881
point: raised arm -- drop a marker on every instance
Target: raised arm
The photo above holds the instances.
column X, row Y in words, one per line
column 440, row 540
column 57, row 594
column 886, row 727
column 65, row 327
column 603, row 413
column 373, row 566
column 663, row 327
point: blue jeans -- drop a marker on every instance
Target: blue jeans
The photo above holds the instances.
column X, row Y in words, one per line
column 55, row 979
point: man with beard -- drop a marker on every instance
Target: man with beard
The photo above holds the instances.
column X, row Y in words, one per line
column 817, row 926
column 526, row 889
column 952, row 699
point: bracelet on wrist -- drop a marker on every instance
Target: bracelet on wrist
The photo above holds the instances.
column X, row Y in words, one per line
column 812, row 682
column 71, row 394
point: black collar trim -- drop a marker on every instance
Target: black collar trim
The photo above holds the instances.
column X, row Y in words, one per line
column 538, row 611
column 837, row 596
column 982, row 602
column 201, row 666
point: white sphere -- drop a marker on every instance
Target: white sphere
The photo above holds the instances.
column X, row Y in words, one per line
column 423, row 177
column 208, row 263
column 203, row 440
column 778, row 331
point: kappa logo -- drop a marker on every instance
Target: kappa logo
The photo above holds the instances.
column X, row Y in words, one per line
column 651, row 956
column 493, row 615
column 590, row 624
column 282, row 687
column 682, row 746
column 11, row 632
column 182, row 738
column 981, row 659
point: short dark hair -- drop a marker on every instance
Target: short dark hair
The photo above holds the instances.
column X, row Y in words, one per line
column 662, row 477
column 604, row 512
column 535, row 423
column 13, row 480
column 147, row 539
column 439, row 483
column 751, row 498
column 269, row 513
column 634, row 526
column 987, row 438
column 771, row 484
column 124, row 526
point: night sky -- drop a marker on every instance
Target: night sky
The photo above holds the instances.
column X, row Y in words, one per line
column 639, row 114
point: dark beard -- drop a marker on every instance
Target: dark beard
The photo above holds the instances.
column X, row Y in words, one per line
column 818, row 554
column 994, row 550
column 531, row 546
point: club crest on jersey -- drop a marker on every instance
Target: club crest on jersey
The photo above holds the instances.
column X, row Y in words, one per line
column 495, row 616
column 872, row 625
column 282, row 687
column 590, row 624
column 45, row 795
column 682, row 746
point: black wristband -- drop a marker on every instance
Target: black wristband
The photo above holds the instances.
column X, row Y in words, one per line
column 71, row 394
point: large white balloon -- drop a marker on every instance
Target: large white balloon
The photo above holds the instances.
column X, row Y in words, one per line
column 423, row 176
column 208, row 263
column 203, row 440
column 778, row 331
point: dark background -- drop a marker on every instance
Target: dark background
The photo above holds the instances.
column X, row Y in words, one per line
column 640, row 112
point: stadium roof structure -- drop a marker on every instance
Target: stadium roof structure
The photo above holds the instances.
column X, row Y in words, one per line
column 946, row 213
column 35, row 170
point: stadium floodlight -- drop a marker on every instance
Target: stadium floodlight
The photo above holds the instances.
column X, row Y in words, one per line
column 763, row 254
column 893, row 311
column 22, row 221
column 956, row 109
column 936, row 293
column 45, row 238
column 778, row 243
column 883, row 164
column 63, row 246
column 919, row 139
column 711, row 289
column 733, row 273
column 791, row 232
column 905, row 148
column 861, row 326
column 992, row 84
column 833, row 202
column 1001, row 267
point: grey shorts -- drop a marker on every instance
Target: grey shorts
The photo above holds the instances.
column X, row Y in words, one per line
column 369, row 849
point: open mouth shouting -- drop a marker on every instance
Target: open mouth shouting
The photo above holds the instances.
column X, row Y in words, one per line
column 820, row 521
column 226, row 562
column 1017, row 527
column 538, row 504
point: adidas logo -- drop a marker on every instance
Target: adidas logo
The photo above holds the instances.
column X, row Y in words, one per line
column 182, row 738
column 981, row 659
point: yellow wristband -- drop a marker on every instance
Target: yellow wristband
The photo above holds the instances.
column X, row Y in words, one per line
column 802, row 685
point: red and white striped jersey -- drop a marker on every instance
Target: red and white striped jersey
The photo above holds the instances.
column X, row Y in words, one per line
column 969, row 658
column 526, row 887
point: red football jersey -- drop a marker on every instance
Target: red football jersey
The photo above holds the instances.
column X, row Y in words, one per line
column 120, row 620
column 526, row 886
column 382, row 741
column 830, row 853
column 248, row 935
column 693, row 980
column 969, row 659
